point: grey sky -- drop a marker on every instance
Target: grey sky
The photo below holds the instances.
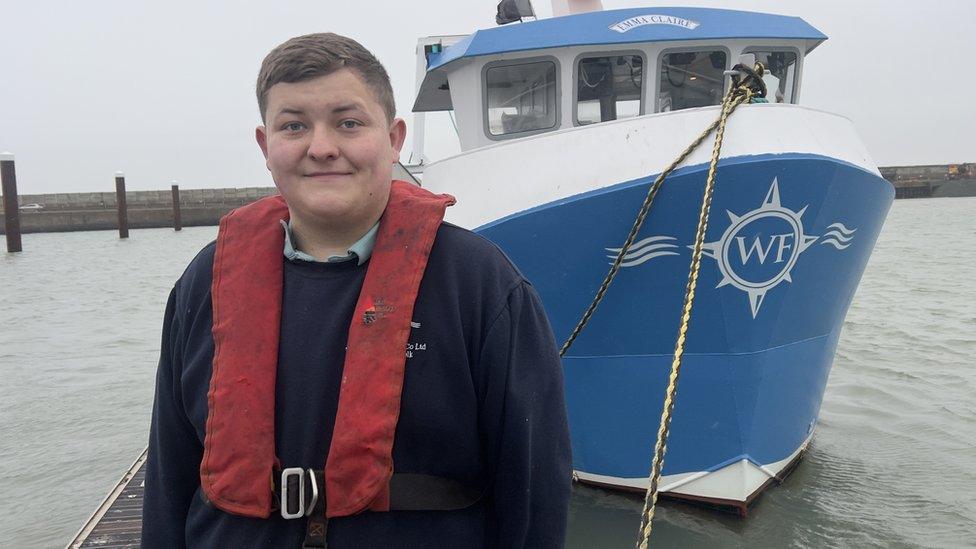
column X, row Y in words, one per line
column 165, row 90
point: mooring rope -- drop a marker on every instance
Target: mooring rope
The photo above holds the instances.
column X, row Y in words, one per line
column 638, row 223
column 739, row 92
column 746, row 84
column 753, row 78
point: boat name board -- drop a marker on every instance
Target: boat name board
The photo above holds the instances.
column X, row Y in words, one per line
column 653, row 19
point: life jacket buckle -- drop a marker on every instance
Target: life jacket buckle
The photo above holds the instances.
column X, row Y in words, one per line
column 293, row 480
column 315, row 492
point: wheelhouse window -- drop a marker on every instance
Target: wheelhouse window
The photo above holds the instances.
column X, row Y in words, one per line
column 520, row 98
column 608, row 88
column 780, row 76
column 691, row 79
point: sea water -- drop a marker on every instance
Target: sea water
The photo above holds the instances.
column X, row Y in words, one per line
column 892, row 462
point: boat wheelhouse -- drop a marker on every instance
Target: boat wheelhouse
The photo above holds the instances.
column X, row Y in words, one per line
column 516, row 81
column 563, row 123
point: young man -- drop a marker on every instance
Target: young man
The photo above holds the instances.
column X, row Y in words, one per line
column 342, row 368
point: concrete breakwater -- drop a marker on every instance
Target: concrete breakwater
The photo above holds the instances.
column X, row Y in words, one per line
column 932, row 180
column 64, row 212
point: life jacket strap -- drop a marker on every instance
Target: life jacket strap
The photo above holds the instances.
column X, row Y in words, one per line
column 300, row 493
column 315, row 532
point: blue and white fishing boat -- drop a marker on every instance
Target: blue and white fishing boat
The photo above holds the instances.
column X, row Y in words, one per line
column 563, row 124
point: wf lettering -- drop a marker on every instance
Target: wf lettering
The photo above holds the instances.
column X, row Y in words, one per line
column 762, row 249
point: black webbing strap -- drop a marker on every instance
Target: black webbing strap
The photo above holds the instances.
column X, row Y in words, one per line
column 408, row 492
column 315, row 532
column 416, row 492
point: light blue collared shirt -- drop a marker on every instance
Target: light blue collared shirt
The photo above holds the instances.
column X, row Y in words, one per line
column 360, row 250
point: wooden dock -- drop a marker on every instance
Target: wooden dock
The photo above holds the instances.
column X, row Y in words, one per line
column 118, row 520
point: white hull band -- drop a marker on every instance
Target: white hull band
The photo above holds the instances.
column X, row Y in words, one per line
column 736, row 485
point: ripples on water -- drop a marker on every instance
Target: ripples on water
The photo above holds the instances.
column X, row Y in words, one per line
column 79, row 336
column 891, row 464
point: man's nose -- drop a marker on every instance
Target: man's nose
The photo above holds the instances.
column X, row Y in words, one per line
column 323, row 145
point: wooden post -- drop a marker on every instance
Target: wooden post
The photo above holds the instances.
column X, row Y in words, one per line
column 120, row 205
column 177, row 221
column 11, row 202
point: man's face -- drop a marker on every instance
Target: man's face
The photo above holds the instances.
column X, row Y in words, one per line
column 330, row 150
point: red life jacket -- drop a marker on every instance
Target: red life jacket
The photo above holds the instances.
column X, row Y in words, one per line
column 239, row 448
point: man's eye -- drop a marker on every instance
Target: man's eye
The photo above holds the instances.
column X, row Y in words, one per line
column 294, row 127
column 350, row 124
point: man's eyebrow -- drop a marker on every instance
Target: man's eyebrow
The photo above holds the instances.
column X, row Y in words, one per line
column 338, row 109
column 287, row 111
column 344, row 107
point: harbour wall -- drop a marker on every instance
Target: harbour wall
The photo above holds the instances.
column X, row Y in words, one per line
column 64, row 212
column 932, row 180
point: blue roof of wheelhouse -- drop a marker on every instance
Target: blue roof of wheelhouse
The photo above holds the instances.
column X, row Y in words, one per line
column 596, row 27
column 624, row 26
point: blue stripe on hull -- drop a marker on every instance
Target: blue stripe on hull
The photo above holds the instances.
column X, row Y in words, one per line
column 728, row 406
column 787, row 242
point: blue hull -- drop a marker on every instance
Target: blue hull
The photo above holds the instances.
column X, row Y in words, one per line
column 788, row 239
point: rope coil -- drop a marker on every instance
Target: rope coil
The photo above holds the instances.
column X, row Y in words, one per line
column 747, row 84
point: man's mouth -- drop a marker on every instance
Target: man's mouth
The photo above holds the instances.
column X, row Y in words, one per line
column 326, row 176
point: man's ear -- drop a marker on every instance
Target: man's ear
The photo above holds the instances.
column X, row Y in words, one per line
column 260, row 134
column 398, row 133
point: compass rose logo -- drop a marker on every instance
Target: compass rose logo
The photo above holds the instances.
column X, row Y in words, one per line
column 760, row 248
column 756, row 252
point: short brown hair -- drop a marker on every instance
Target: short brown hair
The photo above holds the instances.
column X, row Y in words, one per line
column 313, row 55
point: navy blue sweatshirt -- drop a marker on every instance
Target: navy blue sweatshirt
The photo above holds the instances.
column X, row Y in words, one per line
column 482, row 403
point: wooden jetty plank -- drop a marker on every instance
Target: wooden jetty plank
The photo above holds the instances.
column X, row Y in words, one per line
column 117, row 523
